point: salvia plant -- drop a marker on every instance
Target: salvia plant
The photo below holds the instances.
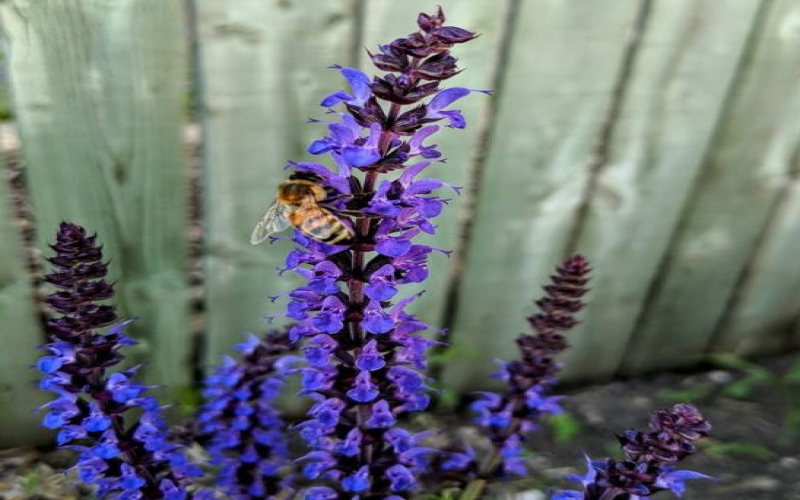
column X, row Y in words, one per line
column 359, row 354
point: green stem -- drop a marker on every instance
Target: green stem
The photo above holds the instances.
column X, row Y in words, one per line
column 473, row 490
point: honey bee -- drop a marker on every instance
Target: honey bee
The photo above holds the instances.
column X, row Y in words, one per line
column 297, row 204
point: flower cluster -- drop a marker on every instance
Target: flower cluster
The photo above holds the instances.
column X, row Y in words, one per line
column 247, row 436
column 649, row 458
column 506, row 417
column 364, row 352
column 126, row 461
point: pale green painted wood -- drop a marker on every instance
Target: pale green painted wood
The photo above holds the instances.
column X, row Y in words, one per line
column 564, row 61
column 767, row 300
column 264, row 72
column 479, row 59
column 21, row 335
column 680, row 76
column 99, row 94
column 741, row 180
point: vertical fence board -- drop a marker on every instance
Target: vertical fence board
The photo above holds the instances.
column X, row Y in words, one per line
column 683, row 69
column 565, row 58
column 385, row 21
column 740, row 182
column 99, row 94
column 768, row 298
column 264, row 73
column 20, row 337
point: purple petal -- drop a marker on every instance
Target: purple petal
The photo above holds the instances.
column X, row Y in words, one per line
column 334, row 99
column 359, row 84
column 447, row 97
column 360, row 157
column 393, row 247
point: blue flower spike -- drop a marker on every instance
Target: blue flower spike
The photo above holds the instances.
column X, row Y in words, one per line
column 124, row 457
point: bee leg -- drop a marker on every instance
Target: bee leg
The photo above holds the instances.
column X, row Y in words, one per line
column 356, row 213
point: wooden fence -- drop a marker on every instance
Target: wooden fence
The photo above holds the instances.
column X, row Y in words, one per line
column 660, row 138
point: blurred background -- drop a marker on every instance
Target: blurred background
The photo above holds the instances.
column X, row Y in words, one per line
column 659, row 138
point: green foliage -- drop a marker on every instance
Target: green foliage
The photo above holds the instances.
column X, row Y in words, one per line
column 31, row 482
column 753, row 376
column 564, row 427
column 446, row 399
column 188, row 400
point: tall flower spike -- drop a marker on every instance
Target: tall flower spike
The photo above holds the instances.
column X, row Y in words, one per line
column 246, row 434
column 506, row 417
column 649, row 457
column 364, row 352
column 125, row 460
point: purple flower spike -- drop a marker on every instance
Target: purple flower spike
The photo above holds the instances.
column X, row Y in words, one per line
column 506, row 416
column 123, row 459
column 649, row 457
column 245, row 433
column 364, row 353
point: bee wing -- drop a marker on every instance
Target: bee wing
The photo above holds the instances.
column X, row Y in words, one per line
column 276, row 219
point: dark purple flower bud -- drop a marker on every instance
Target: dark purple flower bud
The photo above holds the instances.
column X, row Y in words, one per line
column 452, row 35
column 437, row 67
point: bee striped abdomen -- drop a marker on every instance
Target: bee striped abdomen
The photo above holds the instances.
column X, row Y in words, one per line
column 321, row 225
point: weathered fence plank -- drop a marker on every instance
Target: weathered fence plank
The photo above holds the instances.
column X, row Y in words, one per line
column 20, row 336
column 99, row 94
column 461, row 148
column 767, row 299
column 740, row 182
column 680, row 75
column 551, row 109
column 765, row 303
column 263, row 68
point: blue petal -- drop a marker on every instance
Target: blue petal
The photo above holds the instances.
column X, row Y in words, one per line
column 447, row 97
column 360, row 157
column 334, row 99
column 359, row 83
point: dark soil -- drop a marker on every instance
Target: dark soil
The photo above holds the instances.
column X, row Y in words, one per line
column 750, row 454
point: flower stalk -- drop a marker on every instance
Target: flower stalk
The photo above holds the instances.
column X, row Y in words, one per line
column 506, row 417
column 247, row 437
column 128, row 461
column 364, row 351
